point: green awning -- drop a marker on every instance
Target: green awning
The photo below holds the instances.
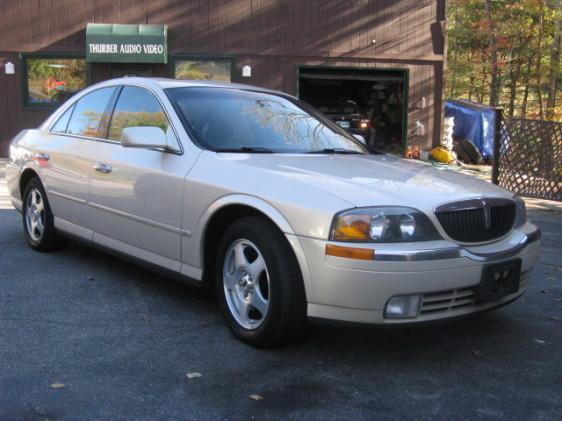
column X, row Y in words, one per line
column 126, row 43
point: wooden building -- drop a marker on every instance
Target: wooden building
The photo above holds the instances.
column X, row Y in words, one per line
column 388, row 52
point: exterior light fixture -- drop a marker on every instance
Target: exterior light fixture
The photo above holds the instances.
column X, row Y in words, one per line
column 246, row 71
column 9, row 68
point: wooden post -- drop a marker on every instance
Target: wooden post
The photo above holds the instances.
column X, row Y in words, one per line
column 497, row 145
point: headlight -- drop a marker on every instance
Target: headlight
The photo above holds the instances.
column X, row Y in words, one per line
column 383, row 225
column 520, row 212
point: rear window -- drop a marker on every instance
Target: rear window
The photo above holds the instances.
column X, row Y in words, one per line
column 62, row 123
column 88, row 112
column 345, row 107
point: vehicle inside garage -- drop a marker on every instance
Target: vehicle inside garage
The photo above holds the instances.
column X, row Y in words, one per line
column 367, row 102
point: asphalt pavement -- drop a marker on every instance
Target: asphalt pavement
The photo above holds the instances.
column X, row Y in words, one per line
column 86, row 336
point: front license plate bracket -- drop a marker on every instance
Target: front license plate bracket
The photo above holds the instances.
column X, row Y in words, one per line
column 499, row 280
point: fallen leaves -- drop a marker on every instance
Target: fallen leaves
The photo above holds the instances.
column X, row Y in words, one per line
column 193, row 375
column 255, row 397
column 539, row 341
column 57, row 386
column 477, row 352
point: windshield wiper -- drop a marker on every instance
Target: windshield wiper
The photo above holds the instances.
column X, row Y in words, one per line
column 251, row 149
column 336, row 151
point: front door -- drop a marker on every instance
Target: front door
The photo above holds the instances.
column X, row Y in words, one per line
column 136, row 195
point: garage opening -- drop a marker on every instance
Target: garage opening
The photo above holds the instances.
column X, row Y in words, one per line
column 367, row 102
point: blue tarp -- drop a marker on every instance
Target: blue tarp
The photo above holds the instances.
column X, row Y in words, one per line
column 474, row 122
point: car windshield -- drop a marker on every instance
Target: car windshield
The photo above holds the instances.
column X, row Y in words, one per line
column 247, row 121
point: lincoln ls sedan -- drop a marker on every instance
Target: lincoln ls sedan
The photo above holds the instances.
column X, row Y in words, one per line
column 257, row 195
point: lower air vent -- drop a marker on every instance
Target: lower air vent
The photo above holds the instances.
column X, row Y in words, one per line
column 436, row 302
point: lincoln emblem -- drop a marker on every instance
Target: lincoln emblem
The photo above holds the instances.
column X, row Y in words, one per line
column 487, row 214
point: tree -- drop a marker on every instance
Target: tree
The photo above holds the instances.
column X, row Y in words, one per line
column 506, row 53
column 554, row 72
column 494, row 90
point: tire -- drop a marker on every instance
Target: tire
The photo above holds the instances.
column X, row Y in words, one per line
column 278, row 289
column 468, row 152
column 462, row 155
column 38, row 221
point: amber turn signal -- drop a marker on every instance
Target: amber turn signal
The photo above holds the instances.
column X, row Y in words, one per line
column 350, row 252
column 351, row 228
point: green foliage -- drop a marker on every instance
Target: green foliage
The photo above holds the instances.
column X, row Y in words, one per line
column 524, row 33
column 52, row 80
column 218, row 70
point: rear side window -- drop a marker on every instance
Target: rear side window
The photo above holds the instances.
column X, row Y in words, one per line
column 62, row 123
column 88, row 113
column 136, row 107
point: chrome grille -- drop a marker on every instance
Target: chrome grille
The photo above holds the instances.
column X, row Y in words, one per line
column 477, row 220
column 436, row 302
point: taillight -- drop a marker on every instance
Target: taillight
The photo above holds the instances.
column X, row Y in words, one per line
column 364, row 124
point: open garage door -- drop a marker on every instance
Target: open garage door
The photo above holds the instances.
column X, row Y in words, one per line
column 369, row 102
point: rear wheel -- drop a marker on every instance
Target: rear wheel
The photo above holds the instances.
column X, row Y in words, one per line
column 38, row 221
column 259, row 284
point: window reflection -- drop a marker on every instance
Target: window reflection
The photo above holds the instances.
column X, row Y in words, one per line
column 51, row 81
column 218, row 70
column 88, row 112
column 228, row 118
column 136, row 107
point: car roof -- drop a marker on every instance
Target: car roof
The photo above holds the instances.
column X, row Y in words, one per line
column 154, row 83
column 167, row 83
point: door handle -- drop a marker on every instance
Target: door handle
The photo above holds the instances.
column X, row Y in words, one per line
column 41, row 156
column 103, row 168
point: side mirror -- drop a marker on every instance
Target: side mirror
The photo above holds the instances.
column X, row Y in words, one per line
column 360, row 138
column 144, row 137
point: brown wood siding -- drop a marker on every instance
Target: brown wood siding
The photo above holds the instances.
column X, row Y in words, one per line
column 273, row 36
column 327, row 28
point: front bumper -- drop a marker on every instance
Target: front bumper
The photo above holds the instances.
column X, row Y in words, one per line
column 443, row 273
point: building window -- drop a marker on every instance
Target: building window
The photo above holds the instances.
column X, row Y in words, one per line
column 203, row 69
column 51, row 81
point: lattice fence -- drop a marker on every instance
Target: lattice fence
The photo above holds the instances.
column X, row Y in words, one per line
column 530, row 158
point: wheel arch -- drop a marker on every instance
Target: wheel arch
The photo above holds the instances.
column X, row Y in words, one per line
column 27, row 174
column 230, row 208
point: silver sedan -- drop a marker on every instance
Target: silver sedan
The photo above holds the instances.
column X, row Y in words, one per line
column 259, row 196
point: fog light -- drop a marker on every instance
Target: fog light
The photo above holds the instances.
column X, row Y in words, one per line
column 402, row 307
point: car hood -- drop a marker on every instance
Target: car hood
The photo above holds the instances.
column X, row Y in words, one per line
column 372, row 180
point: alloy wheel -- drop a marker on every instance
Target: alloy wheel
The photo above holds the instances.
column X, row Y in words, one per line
column 246, row 284
column 35, row 215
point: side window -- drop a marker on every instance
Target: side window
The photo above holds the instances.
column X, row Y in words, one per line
column 136, row 107
column 88, row 112
column 62, row 123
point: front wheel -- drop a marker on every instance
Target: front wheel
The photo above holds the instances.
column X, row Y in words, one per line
column 259, row 285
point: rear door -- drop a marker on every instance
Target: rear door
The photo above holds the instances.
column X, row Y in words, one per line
column 136, row 195
column 67, row 164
